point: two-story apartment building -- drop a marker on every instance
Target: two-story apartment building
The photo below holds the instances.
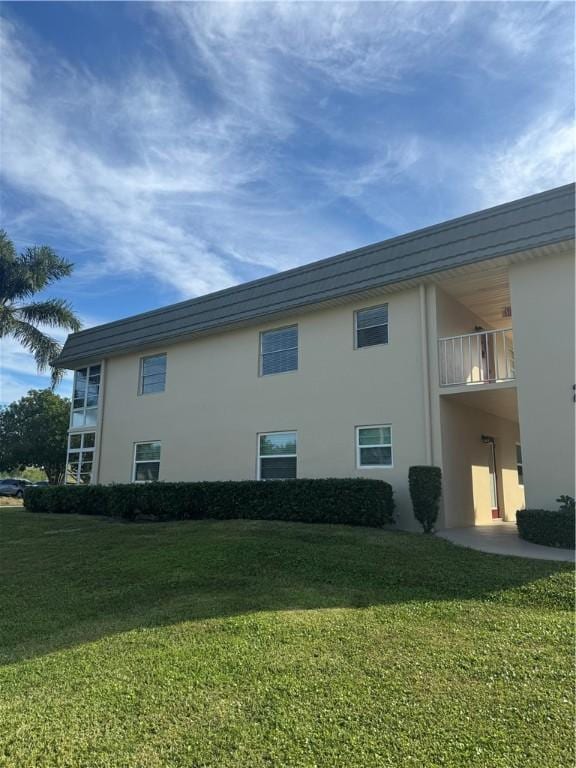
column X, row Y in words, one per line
column 453, row 345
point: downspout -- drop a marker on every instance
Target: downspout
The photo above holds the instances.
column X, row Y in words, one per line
column 426, row 374
column 99, row 424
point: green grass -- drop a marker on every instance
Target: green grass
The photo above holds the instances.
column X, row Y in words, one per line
column 252, row 644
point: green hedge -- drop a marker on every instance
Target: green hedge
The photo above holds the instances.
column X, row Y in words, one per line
column 544, row 526
column 349, row 501
column 425, row 483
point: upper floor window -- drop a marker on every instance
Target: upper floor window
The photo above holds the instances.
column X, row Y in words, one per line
column 85, row 396
column 80, row 461
column 374, row 446
column 146, row 462
column 152, row 374
column 279, row 350
column 372, row 326
column 277, row 456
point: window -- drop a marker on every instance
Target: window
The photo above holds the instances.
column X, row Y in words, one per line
column 519, row 464
column 80, row 461
column 277, row 456
column 372, row 326
column 152, row 374
column 279, row 350
column 374, row 446
column 146, row 462
column 85, row 396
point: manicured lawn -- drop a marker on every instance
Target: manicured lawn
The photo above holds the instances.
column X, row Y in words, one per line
column 251, row 644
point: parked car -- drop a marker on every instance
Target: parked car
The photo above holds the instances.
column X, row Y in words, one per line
column 41, row 484
column 14, row 486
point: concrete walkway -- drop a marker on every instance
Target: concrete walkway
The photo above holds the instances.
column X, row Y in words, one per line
column 503, row 539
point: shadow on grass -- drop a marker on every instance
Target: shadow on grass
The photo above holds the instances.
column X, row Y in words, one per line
column 68, row 580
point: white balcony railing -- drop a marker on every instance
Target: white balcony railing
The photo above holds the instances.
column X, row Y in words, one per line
column 484, row 357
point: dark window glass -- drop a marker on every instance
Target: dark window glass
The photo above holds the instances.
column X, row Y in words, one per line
column 372, row 326
column 375, row 446
column 370, row 457
column 147, row 471
column 279, row 350
column 153, row 374
column 519, row 465
column 277, row 455
column 278, row 468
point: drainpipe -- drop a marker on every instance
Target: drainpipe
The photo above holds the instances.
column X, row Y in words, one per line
column 99, row 424
column 426, row 374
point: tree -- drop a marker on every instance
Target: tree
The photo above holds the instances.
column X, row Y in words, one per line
column 21, row 276
column 33, row 433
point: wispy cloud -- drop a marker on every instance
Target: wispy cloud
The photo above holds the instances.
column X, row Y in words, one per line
column 117, row 201
column 352, row 45
column 171, row 189
column 240, row 139
column 518, row 33
column 540, row 158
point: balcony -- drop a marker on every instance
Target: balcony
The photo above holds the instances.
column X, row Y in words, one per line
column 484, row 357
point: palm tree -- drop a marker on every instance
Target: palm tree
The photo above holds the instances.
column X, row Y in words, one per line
column 21, row 276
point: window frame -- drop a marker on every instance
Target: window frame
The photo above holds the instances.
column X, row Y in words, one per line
column 84, row 409
column 141, row 373
column 519, row 465
column 261, row 354
column 390, row 445
column 142, row 461
column 80, row 453
column 259, row 456
column 356, row 329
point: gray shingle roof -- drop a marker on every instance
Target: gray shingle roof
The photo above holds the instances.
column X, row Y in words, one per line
column 531, row 222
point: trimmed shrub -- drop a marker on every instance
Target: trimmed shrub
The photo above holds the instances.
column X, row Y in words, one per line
column 425, row 484
column 348, row 501
column 66, row 499
column 548, row 527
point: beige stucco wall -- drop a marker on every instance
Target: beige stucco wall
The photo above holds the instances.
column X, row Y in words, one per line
column 453, row 318
column 543, row 301
column 465, row 465
column 215, row 403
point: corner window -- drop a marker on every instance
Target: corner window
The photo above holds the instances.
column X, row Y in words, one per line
column 374, row 446
column 146, row 462
column 85, row 395
column 279, row 350
column 80, row 460
column 277, row 456
column 371, row 326
column 152, row 374
column 519, row 464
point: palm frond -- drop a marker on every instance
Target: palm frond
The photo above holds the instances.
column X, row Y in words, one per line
column 44, row 348
column 21, row 276
column 44, row 266
column 7, row 319
column 56, row 313
column 9, row 267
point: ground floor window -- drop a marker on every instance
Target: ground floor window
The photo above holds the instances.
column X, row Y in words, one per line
column 146, row 462
column 519, row 464
column 374, row 446
column 80, row 460
column 277, row 456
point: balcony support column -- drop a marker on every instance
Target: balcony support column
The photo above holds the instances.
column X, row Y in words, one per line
column 425, row 373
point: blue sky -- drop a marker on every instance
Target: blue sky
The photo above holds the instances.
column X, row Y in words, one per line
column 173, row 149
